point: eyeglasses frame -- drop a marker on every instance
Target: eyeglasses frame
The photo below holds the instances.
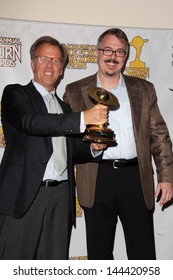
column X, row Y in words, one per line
column 112, row 51
column 53, row 60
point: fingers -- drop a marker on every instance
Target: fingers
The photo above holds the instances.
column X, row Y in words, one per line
column 166, row 191
column 165, row 197
column 97, row 115
column 98, row 146
column 103, row 111
column 100, row 114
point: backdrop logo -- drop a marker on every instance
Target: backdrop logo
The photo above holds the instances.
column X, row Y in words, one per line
column 80, row 54
column 137, row 67
column 78, row 209
column 10, row 51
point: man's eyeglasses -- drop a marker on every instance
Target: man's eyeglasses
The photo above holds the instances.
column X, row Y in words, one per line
column 118, row 53
column 45, row 59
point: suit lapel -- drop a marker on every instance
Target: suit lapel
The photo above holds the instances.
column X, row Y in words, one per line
column 64, row 106
column 91, row 83
column 36, row 98
column 135, row 98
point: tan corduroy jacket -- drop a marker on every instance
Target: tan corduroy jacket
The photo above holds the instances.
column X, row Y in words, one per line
column 150, row 131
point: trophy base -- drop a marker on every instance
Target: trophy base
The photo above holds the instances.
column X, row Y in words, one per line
column 100, row 135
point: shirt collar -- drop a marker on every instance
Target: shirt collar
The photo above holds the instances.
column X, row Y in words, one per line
column 41, row 89
column 121, row 82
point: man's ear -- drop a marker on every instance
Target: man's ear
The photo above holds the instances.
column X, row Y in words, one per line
column 32, row 65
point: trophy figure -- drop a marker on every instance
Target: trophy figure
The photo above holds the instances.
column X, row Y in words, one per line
column 137, row 43
column 101, row 133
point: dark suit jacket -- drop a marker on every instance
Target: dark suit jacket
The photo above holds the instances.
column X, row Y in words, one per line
column 28, row 129
column 150, row 131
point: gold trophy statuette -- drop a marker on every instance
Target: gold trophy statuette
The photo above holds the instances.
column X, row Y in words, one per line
column 101, row 133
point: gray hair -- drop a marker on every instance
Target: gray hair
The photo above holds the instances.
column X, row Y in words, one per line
column 51, row 41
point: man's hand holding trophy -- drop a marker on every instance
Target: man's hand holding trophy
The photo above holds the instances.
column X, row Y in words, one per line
column 101, row 133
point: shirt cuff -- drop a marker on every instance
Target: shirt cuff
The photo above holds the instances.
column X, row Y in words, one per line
column 95, row 153
column 82, row 123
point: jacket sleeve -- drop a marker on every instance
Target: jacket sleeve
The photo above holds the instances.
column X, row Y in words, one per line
column 82, row 151
column 161, row 145
column 19, row 111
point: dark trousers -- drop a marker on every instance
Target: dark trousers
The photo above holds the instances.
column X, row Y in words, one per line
column 43, row 232
column 119, row 195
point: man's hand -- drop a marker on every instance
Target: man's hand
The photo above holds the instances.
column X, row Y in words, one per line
column 98, row 147
column 98, row 114
column 166, row 191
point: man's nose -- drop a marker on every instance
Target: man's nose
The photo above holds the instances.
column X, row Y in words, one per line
column 49, row 61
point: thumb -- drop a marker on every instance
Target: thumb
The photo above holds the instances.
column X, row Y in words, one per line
column 157, row 191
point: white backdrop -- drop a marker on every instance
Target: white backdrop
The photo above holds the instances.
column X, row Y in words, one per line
column 151, row 57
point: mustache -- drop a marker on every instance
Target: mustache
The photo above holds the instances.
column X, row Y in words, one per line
column 112, row 61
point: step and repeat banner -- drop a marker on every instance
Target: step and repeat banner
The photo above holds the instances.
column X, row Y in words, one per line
column 151, row 58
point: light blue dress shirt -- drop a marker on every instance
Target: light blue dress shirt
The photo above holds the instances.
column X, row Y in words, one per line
column 120, row 121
